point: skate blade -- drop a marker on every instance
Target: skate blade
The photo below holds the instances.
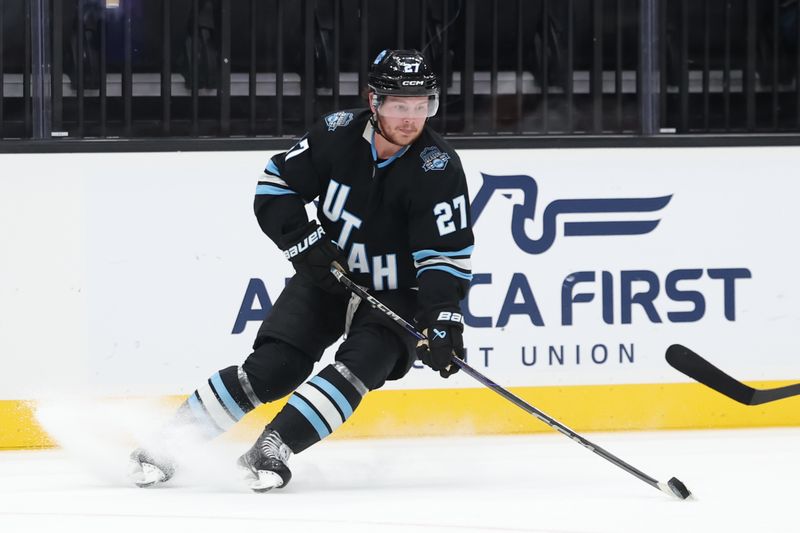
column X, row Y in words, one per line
column 146, row 475
column 264, row 481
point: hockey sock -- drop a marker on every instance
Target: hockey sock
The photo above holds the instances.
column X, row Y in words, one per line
column 220, row 402
column 318, row 407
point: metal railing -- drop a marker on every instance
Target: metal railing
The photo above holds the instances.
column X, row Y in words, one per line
column 268, row 68
column 730, row 66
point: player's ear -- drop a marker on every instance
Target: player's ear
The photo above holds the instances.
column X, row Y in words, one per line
column 371, row 99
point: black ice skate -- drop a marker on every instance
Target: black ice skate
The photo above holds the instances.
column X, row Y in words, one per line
column 266, row 461
column 148, row 469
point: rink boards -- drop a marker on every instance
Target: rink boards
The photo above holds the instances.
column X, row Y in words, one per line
column 446, row 412
column 141, row 274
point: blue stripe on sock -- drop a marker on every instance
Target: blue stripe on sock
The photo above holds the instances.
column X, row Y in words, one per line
column 227, row 399
column 313, row 418
column 202, row 417
column 334, row 393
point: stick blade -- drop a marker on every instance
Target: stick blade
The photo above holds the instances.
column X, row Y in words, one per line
column 688, row 362
column 771, row 395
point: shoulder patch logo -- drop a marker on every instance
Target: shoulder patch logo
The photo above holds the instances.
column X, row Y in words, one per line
column 434, row 159
column 340, row 118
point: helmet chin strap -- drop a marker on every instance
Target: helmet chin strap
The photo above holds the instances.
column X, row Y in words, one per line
column 376, row 124
column 373, row 119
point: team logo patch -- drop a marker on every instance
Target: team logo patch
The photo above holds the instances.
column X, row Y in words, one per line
column 434, row 159
column 340, row 118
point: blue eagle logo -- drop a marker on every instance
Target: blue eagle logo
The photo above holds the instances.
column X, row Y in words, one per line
column 527, row 210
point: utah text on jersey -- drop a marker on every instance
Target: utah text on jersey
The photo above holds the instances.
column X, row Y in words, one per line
column 400, row 221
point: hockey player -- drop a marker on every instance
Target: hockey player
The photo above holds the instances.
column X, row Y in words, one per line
column 394, row 211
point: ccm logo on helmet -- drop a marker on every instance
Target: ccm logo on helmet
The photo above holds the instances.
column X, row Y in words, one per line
column 412, row 82
column 303, row 245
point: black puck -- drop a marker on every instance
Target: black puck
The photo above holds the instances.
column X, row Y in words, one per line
column 678, row 488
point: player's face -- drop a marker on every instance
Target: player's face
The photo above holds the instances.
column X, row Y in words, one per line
column 403, row 117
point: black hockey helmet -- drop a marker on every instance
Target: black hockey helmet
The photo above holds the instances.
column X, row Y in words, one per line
column 403, row 73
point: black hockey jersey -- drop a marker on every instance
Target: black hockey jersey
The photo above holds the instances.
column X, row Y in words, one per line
column 403, row 223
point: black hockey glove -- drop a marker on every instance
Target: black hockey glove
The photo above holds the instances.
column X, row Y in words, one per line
column 311, row 253
column 444, row 340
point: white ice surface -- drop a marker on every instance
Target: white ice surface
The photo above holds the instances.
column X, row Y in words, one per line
column 743, row 481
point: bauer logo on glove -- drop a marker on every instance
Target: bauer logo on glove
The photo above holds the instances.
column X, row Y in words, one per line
column 448, row 316
column 305, row 244
column 312, row 253
column 444, row 341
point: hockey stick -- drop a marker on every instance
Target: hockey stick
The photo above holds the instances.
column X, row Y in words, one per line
column 685, row 360
column 673, row 487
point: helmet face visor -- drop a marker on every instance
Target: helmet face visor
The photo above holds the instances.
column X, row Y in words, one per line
column 411, row 107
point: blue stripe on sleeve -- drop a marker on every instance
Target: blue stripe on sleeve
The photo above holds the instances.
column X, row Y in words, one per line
column 225, row 396
column 313, row 418
column 334, row 393
column 272, row 190
column 453, row 271
column 423, row 254
column 272, row 168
